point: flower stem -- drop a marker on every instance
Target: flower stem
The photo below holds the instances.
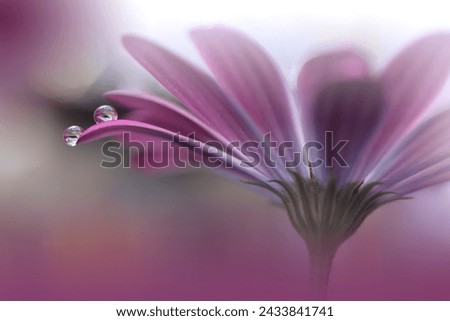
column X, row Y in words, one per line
column 321, row 256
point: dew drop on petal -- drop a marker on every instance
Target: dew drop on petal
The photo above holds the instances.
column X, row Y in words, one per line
column 72, row 134
column 105, row 113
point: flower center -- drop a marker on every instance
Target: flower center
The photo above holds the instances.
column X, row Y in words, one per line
column 326, row 213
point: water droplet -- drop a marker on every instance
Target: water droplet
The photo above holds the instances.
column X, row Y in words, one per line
column 105, row 113
column 71, row 135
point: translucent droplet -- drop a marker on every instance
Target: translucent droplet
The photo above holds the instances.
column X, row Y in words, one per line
column 72, row 134
column 105, row 113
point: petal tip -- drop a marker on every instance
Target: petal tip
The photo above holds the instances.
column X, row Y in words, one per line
column 217, row 30
column 134, row 44
column 121, row 92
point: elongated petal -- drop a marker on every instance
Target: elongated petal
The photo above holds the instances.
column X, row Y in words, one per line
column 161, row 113
column 158, row 112
column 436, row 174
column 119, row 127
column 154, row 154
column 423, row 152
column 325, row 69
column 194, row 88
column 157, row 155
column 345, row 115
column 246, row 72
column 410, row 83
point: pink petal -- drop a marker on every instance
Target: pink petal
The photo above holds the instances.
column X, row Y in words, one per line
column 246, row 72
column 194, row 88
column 351, row 111
column 156, row 156
column 325, row 69
column 119, row 127
column 161, row 113
column 410, row 82
column 422, row 154
column 433, row 175
column 151, row 160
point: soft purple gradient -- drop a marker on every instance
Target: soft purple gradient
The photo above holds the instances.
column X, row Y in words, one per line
column 120, row 249
column 32, row 30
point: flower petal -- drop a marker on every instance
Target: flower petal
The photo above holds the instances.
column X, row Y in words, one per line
column 161, row 113
column 246, row 72
column 410, row 83
column 349, row 111
column 437, row 174
column 425, row 152
column 119, row 127
column 158, row 157
column 194, row 88
column 325, row 69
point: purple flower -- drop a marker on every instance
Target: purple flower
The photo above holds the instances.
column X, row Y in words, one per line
column 388, row 149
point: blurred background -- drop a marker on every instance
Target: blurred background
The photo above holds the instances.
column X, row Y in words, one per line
column 71, row 230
